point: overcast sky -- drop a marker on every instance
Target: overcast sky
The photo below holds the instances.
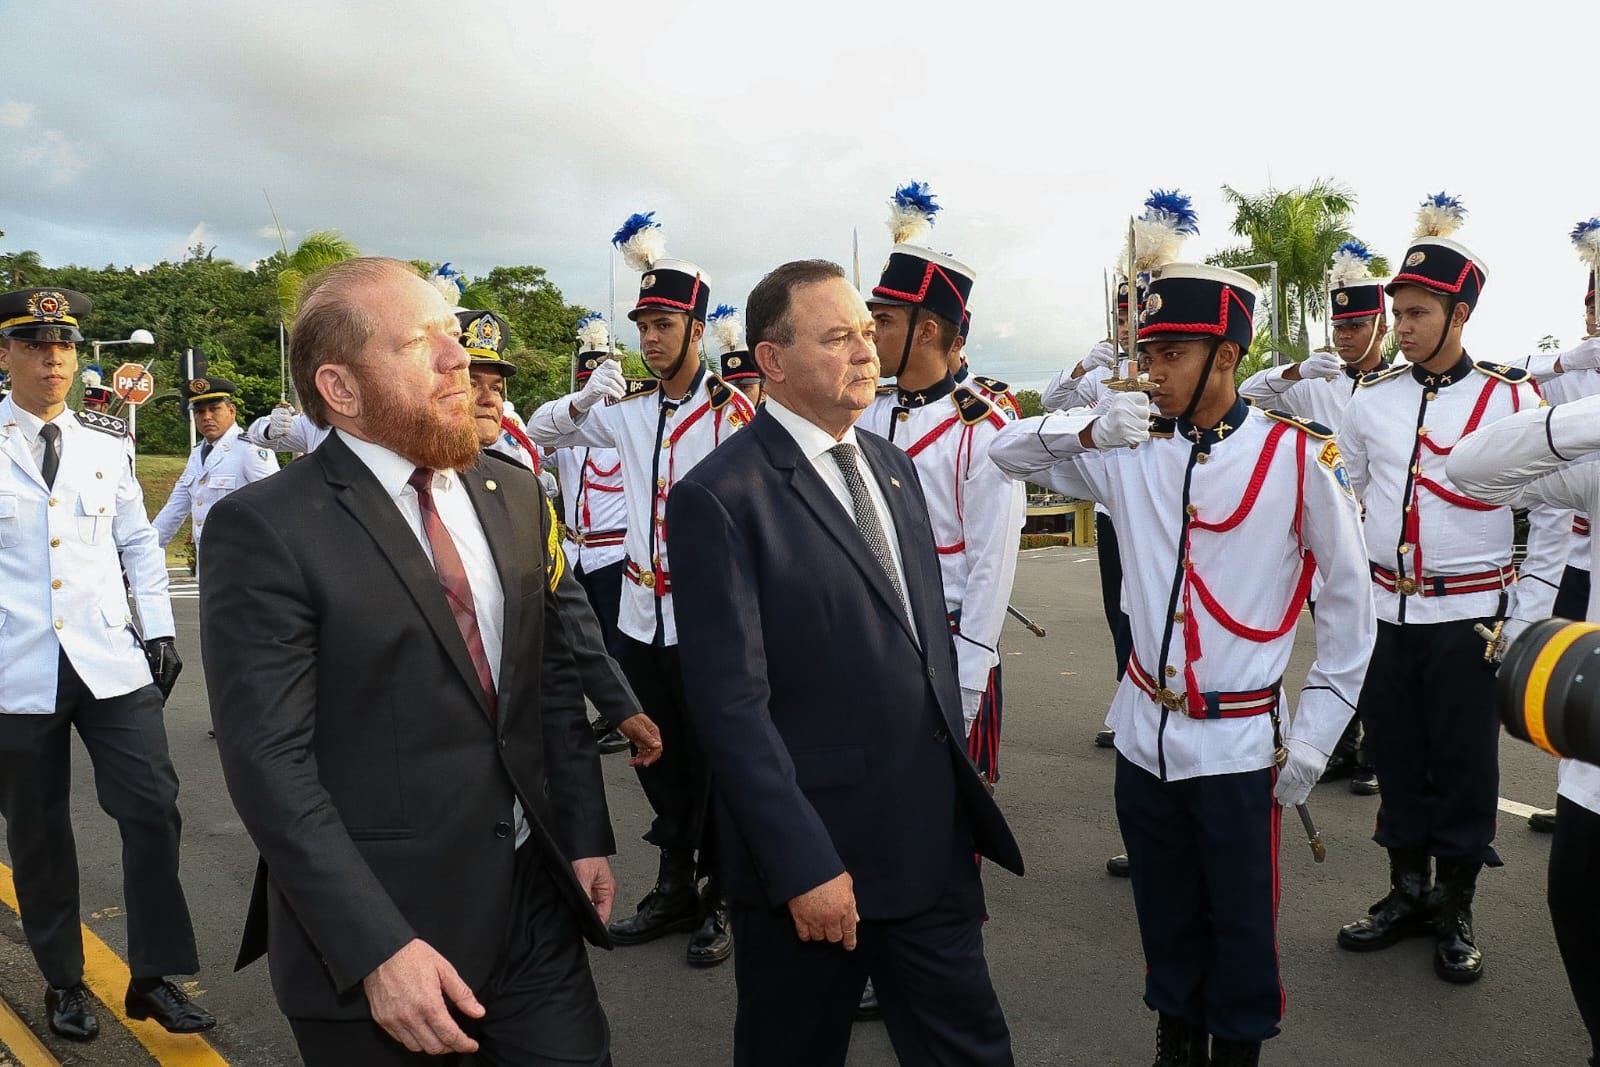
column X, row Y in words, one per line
column 498, row 132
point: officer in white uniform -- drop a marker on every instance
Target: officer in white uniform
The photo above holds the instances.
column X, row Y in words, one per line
column 71, row 520
column 976, row 509
column 222, row 462
column 1548, row 456
column 661, row 427
column 1236, row 509
column 1441, row 567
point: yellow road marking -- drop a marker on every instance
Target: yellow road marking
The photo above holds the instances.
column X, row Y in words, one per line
column 18, row 1040
column 107, row 977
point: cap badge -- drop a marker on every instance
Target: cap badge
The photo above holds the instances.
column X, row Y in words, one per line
column 647, row 282
column 199, row 385
column 48, row 305
column 1152, row 304
column 1341, row 299
column 1415, row 259
column 485, row 333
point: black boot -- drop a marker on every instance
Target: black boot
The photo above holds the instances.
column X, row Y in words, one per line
column 1456, row 958
column 1401, row 914
column 1178, row 1044
column 672, row 905
column 1235, row 1053
column 712, row 941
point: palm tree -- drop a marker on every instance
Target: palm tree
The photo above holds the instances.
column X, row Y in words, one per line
column 319, row 249
column 1299, row 229
column 20, row 267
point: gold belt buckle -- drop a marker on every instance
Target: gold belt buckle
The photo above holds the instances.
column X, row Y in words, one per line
column 1406, row 586
column 647, row 579
column 1170, row 700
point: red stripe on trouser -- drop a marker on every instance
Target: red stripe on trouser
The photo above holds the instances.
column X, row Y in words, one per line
column 983, row 740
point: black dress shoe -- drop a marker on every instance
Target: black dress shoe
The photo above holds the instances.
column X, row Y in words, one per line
column 869, row 1008
column 712, row 940
column 1364, row 782
column 672, row 905
column 613, row 741
column 1405, row 912
column 71, row 1012
column 601, row 727
column 1542, row 822
column 1117, row 866
column 1105, row 739
column 169, row 1006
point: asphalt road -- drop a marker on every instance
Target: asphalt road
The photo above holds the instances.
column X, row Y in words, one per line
column 1062, row 942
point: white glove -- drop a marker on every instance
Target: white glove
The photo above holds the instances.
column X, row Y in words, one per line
column 971, row 699
column 1103, row 354
column 606, row 383
column 1585, row 356
column 279, row 422
column 1321, row 365
column 1296, row 777
column 1122, row 421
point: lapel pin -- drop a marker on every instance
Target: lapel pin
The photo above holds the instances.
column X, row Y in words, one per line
column 895, row 482
column 491, row 485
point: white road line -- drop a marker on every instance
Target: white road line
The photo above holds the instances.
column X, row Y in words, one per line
column 1521, row 811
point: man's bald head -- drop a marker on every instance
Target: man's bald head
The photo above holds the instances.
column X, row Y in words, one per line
column 334, row 323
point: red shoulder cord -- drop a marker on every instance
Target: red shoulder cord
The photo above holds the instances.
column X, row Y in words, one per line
column 1413, row 518
column 522, row 439
column 929, row 438
column 1193, row 582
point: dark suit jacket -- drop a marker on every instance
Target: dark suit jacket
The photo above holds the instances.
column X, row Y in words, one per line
column 834, row 740
column 357, row 743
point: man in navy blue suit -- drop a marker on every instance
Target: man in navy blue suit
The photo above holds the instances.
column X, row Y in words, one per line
column 815, row 641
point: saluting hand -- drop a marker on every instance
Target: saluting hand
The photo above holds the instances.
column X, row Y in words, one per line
column 407, row 996
column 828, row 912
column 280, row 421
column 645, row 737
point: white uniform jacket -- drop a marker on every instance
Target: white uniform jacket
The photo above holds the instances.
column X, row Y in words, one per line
column 1424, row 536
column 660, row 441
column 61, row 581
column 1546, row 456
column 303, row 436
column 1231, row 524
column 595, row 510
column 1321, row 400
column 976, row 509
column 233, row 462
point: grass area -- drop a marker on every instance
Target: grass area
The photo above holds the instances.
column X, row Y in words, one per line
column 157, row 476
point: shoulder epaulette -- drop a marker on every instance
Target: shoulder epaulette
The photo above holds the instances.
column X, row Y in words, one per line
column 108, row 424
column 1374, row 377
column 994, row 385
column 973, row 406
column 719, row 391
column 638, row 387
column 1514, row 375
column 1301, row 423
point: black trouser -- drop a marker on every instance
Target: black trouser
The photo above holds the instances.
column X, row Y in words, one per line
column 136, row 786
column 1203, row 858
column 1572, row 596
column 797, row 998
column 1105, row 536
column 604, row 587
column 542, row 1009
column 1433, row 736
column 677, row 784
column 1574, row 872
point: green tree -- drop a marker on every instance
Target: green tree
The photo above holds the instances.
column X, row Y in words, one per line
column 319, row 249
column 20, row 268
column 1299, row 229
column 1029, row 403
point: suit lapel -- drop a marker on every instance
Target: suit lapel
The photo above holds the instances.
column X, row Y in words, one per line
column 923, row 578
column 494, row 513
column 360, row 494
column 15, row 445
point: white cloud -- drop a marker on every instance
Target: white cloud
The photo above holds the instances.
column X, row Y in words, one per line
column 15, row 115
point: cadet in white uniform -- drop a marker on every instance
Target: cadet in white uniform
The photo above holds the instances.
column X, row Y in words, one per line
column 1441, row 566
column 1548, row 456
column 976, row 509
column 222, row 462
column 660, row 428
column 1236, row 509
column 71, row 520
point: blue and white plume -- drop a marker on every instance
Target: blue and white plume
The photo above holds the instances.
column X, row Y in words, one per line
column 911, row 213
column 1440, row 215
column 450, row 283
column 1586, row 239
column 726, row 328
column 1352, row 262
column 90, row 377
column 1159, row 233
column 593, row 333
column 641, row 240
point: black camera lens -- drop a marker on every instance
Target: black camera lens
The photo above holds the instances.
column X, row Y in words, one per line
column 1548, row 688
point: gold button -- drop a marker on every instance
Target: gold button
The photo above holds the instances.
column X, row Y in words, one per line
column 52, row 501
column 661, row 483
column 1177, row 616
column 1404, row 549
column 1430, row 396
column 1422, row 431
column 102, row 511
column 902, row 415
column 1417, row 469
column 1192, row 510
column 1406, row 587
column 1172, row 672
column 97, row 474
column 56, row 584
column 1202, row 457
column 60, row 624
column 55, row 542
column 1188, row 564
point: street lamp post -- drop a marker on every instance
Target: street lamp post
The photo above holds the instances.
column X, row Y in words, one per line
column 137, row 337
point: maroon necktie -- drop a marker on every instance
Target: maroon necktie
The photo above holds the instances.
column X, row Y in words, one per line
column 453, row 580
